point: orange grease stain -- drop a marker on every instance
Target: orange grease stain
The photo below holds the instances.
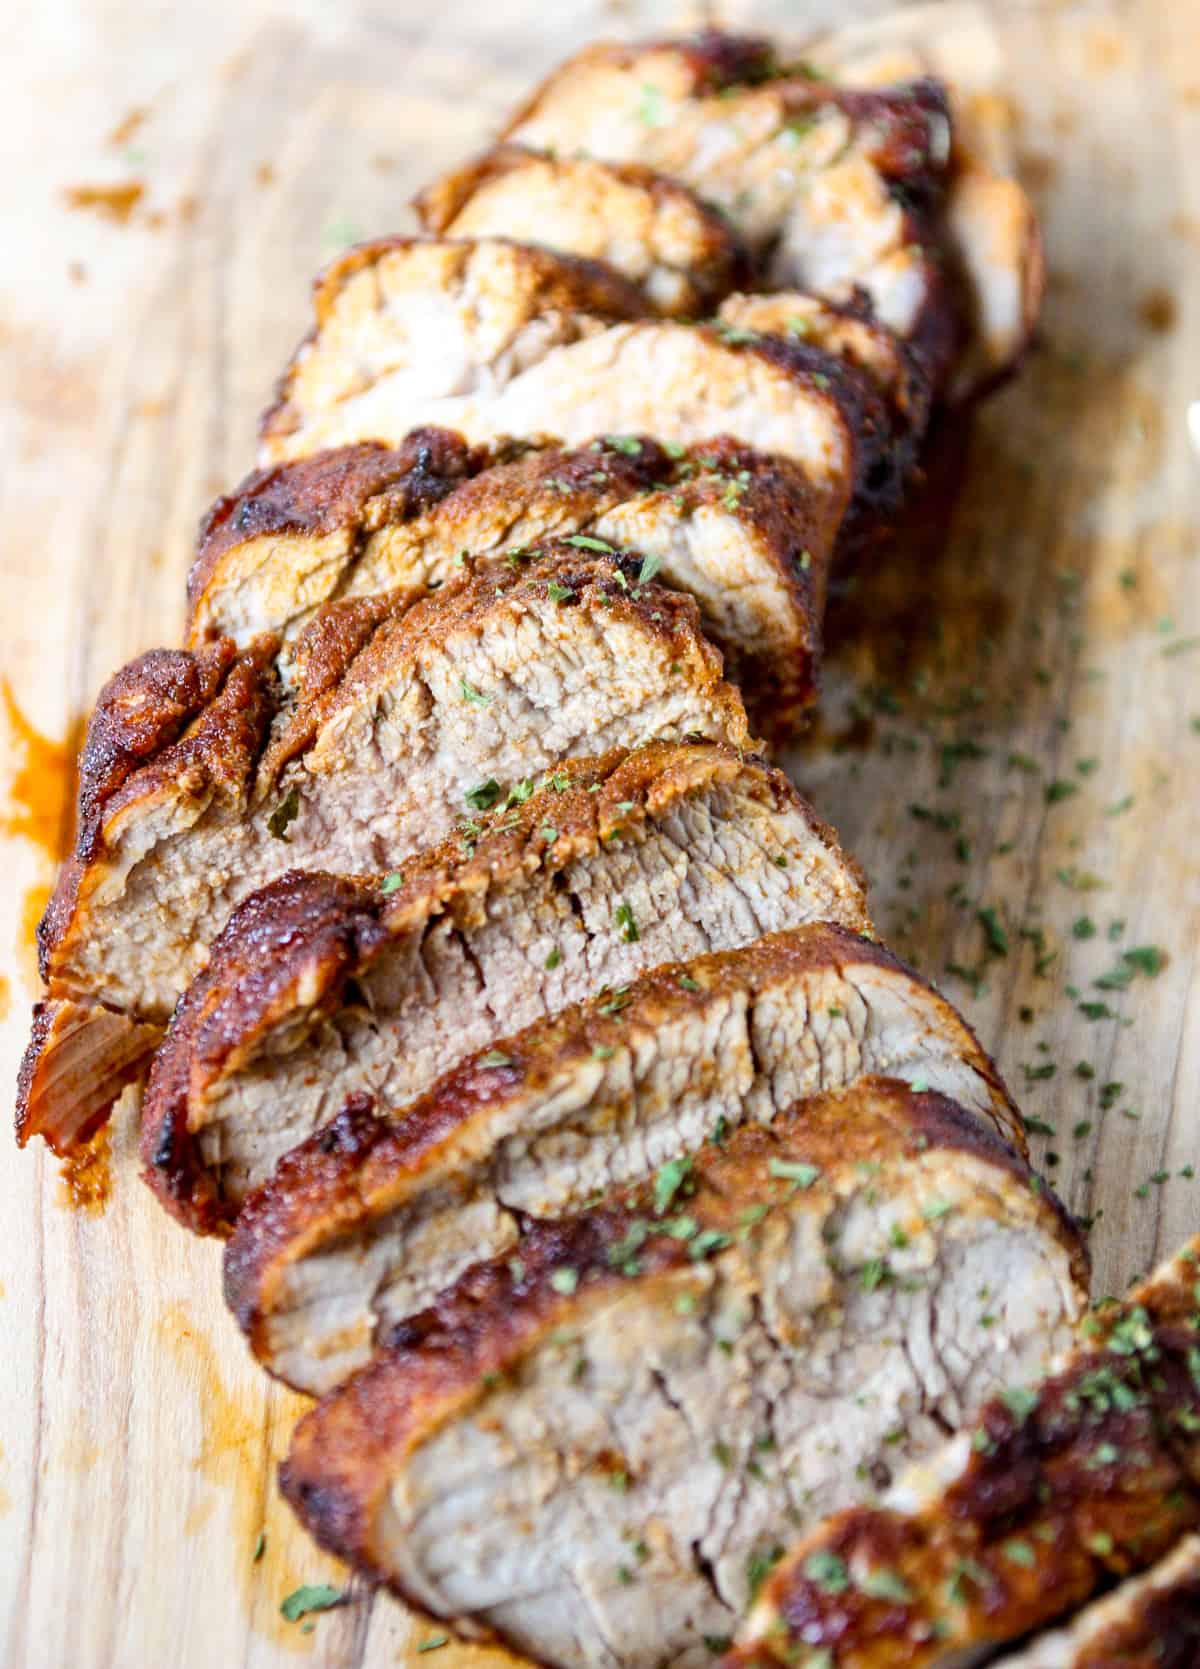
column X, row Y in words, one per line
column 86, row 1176
column 243, row 1439
column 5, row 996
column 113, row 202
column 42, row 791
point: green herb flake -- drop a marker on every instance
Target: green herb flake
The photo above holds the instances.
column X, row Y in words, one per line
column 484, row 795
column 650, row 566
column 759, row 1566
column 318, row 1596
column 793, row 1171
column 1019, row 1552
column 1083, row 927
column 996, row 937
column 602, row 1051
column 559, row 593
column 827, row 1571
column 495, row 1057
column 285, row 813
column 874, row 1274
column 391, row 883
column 553, row 959
column 468, row 692
column 585, row 542
column 1020, row 1402
column 668, row 1181
column 1060, row 789
column 887, row 1585
column 688, row 983
column 627, row 923
column 565, row 1280
column 260, row 1546
column 433, row 1643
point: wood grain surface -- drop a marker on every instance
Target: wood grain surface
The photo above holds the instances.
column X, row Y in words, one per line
column 1010, row 738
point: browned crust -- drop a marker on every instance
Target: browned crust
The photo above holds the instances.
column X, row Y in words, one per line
column 345, row 1453
column 716, row 60
column 169, row 715
column 362, row 489
column 593, row 580
column 563, row 281
column 884, row 449
column 358, row 487
column 291, row 949
column 725, row 262
column 329, row 1184
column 1096, row 1479
column 1159, row 1624
column 78, row 1060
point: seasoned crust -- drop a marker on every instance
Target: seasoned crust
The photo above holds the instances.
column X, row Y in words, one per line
column 510, row 283
column 338, row 1185
column 170, row 716
column 346, row 1454
column 78, row 1060
column 354, row 488
column 314, row 532
column 1091, row 1475
column 651, row 228
column 215, row 782
column 295, row 951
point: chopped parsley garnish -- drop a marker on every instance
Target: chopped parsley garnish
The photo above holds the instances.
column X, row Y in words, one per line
column 626, row 444
column 495, row 1057
column 484, row 795
column 1020, row 1402
column 886, row 1584
column 650, row 566
column 285, row 812
column 391, row 883
column 559, row 593
column 627, row 923
column 468, row 692
column 585, row 542
column 565, row 1280
column 793, row 1171
column 433, row 1643
column 317, row 1596
column 827, row 1571
column 997, row 938
column 668, row 1180
column 260, row 1546
column 759, row 1566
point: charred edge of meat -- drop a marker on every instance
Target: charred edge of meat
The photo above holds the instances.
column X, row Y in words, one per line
column 315, row 933
column 313, row 1174
column 1094, row 1473
column 479, row 1327
column 168, row 709
column 79, row 1058
column 1148, row 1622
column 716, row 61
column 883, row 457
column 331, row 490
column 565, row 280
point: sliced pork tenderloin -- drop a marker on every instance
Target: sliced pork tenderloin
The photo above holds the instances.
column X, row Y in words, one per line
column 652, row 230
column 1053, row 1492
column 441, row 319
column 942, row 231
column 589, row 1448
column 322, row 986
column 398, row 713
column 353, row 381
column 745, row 534
column 1148, row 1622
column 366, row 1222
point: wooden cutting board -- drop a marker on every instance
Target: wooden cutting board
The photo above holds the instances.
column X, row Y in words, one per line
column 1010, row 740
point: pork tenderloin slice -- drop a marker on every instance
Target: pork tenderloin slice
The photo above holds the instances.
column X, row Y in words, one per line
column 323, row 986
column 588, row 1449
column 1148, row 1622
column 652, row 230
column 1054, row 1491
column 682, row 383
column 366, row 1222
column 833, row 188
column 442, row 319
column 988, row 224
column 518, row 666
column 746, row 534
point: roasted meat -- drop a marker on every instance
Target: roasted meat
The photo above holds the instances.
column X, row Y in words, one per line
column 590, row 1446
column 1049, row 1494
column 1148, row 1622
column 369, row 1220
column 745, row 534
column 649, row 228
column 323, row 986
column 397, row 716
